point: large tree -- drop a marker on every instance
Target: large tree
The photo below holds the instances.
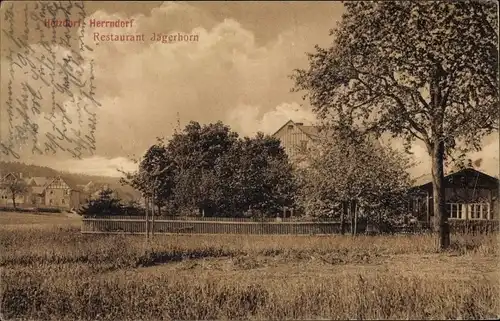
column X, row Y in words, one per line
column 424, row 71
column 264, row 175
column 154, row 179
column 197, row 150
column 349, row 173
column 105, row 204
column 15, row 186
column 208, row 168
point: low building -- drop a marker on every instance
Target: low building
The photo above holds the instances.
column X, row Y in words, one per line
column 469, row 195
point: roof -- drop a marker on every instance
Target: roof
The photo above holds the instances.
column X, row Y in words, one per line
column 426, row 179
column 15, row 175
column 422, row 180
column 311, row 131
column 39, row 181
column 80, row 187
column 37, row 189
column 314, row 131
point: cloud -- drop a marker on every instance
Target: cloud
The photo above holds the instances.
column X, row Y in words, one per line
column 226, row 75
column 489, row 156
column 97, row 165
column 145, row 86
column 248, row 120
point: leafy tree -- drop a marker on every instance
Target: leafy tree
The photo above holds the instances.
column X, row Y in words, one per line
column 423, row 71
column 132, row 208
column 105, row 204
column 210, row 169
column 265, row 174
column 155, row 176
column 197, row 150
column 344, row 172
column 16, row 187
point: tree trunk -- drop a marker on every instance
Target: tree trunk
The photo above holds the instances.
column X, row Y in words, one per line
column 147, row 218
column 440, row 212
column 355, row 210
column 343, row 214
column 379, row 215
column 354, row 217
column 152, row 217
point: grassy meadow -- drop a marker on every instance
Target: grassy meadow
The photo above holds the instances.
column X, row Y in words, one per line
column 49, row 271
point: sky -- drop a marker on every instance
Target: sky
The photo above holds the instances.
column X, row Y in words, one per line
column 238, row 72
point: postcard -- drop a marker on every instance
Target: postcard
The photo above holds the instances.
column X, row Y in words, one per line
column 195, row 160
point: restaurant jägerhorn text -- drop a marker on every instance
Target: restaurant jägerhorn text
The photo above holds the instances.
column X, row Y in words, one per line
column 161, row 37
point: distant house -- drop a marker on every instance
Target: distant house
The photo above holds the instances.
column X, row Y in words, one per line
column 36, row 188
column 297, row 138
column 41, row 192
column 5, row 193
column 58, row 193
column 469, row 195
column 92, row 191
column 99, row 188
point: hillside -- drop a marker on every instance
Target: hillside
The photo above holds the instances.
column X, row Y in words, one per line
column 126, row 192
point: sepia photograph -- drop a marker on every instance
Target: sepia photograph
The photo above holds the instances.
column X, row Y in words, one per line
column 249, row 160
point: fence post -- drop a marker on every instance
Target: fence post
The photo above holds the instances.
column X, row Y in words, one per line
column 152, row 216
column 355, row 209
column 147, row 219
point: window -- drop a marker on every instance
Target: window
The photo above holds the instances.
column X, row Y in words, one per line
column 479, row 211
column 455, row 211
column 476, row 211
column 50, row 201
column 51, row 192
column 303, row 145
column 290, row 126
column 62, row 201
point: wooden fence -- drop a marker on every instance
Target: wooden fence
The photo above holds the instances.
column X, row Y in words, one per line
column 162, row 226
column 227, row 225
column 216, row 219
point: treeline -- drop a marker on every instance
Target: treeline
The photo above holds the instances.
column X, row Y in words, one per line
column 209, row 170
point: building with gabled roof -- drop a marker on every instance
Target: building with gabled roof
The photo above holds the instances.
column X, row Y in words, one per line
column 469, row 195
column 297, row 138
column 36, row 181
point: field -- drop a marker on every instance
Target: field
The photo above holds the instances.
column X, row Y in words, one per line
column 52, row 272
